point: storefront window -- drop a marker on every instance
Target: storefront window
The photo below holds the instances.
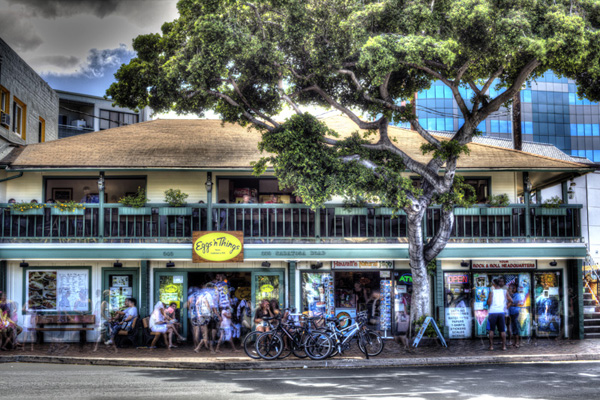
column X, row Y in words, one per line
column 58, row 290
column 317, row 294
column 457, row 289
column 359, row 291
column 267, row 288
column 548, row 303
column 402, row 298
column 121, row 288
column 171, row 289
column 521, row 300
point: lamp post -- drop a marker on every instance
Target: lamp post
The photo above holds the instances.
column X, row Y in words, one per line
column 209, row 215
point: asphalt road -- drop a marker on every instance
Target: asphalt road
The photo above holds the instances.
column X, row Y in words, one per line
column 510, row 382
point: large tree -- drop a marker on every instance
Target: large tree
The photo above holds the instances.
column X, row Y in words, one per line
column 247, row 60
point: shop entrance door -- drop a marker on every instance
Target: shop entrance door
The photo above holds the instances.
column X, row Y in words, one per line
column 120, row 284
column 169, row 287
column 267, row 286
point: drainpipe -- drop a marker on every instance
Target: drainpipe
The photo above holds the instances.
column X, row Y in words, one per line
column 8, row 178
column 101, row 186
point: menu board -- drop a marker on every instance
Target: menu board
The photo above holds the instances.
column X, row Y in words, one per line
column 385, row 310
column 458, row 320
column 58, row 290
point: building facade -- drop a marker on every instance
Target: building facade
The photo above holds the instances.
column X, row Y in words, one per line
column 334, row 261
column 551, row 113
column 28, row 105
column 82, row 113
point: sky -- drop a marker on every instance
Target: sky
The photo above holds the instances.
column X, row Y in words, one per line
column 77, row 45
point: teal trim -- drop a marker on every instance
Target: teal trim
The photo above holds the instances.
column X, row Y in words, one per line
column 3, row 270
column 292, row 285
column 438, row 297
column 123, row 271
column 51, row 268
column 322, row 253
column 182, row 301
column 144, row 301
column 579, row 268
column 9, row 178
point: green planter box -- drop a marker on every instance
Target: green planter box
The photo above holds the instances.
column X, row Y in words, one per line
column 350, row 211
column 32, row 211
column 135, row 211
column 58, row 211
column 551, row 211
column 387, row 211
column 466, row 211
column 496, row 211
column 175, row 211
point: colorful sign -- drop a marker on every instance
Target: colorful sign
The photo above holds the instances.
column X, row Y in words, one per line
column 504, row 264
column 218, row 247
column 362, row 264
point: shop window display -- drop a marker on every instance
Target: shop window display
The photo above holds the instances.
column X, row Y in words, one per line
column 548, row 303
column 359, row 291
column 317, row 294
column 457, row 289
column 521, row 300
column 58, row 290
column 402, row 299
column 268, row 287
column 121, row 288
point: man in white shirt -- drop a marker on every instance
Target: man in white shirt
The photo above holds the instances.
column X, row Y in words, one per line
column 129, row 314
column 498, row 301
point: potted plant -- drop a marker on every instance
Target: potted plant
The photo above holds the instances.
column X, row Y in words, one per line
column 498, row 204
column 176, row 200
column 552, row 207
column 67, row 208
column 135, row 204
column 27, row 209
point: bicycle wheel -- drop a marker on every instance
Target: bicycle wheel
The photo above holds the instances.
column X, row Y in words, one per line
column 287, row 346
column 269, row 346
column 371, row 343
column 318, row 346
column 300, row 350
column 250, row 344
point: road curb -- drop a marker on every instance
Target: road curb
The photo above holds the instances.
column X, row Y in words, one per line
column 299, row 364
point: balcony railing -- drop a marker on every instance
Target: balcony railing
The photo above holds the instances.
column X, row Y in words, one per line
column 68, row 130
column 263, row 223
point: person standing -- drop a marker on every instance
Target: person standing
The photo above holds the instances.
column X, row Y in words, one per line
column 498, row 301
column 513, row 312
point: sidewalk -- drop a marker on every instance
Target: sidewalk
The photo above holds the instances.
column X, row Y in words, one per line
column 459, row 352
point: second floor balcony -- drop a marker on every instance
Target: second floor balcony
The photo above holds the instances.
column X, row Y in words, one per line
column 285, row 223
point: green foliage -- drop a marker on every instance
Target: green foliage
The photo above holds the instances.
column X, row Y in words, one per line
column 136, row 200
column 430, row 330
column 448, row 150
column 69, row 206
column 461, row 194
column 302, row 160
column 553, row 202
column 499, row 200
column 175, row 197
column 432, row 267
column 25, row 206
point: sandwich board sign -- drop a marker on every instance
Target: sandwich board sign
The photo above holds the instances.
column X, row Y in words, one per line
column 426, row 323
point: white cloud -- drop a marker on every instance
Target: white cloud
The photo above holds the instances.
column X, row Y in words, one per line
column 18, row 31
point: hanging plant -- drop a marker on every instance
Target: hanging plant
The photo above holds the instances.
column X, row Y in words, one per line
column 499, row 200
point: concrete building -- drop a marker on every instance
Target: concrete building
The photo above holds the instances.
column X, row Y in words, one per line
column 83, row 113
column 28, row 105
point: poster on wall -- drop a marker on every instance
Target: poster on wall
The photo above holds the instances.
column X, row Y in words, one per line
column 458, row 320
column 169, row 292
column 58, row 290
column 385, row 309
column 548, row 303
column 457, row 289
column 317, row 294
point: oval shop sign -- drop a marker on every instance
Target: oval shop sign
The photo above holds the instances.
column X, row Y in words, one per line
column 218, row 247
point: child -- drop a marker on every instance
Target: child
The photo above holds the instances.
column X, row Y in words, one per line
column 226, row 329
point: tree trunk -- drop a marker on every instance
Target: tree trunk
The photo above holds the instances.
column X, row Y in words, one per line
column 420, row 296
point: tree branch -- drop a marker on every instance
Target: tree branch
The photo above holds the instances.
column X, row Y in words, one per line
column 286, row 97
column 246, row 114
column 245, row 101
column 461, row 71
column 437, row 243
column 383, row 89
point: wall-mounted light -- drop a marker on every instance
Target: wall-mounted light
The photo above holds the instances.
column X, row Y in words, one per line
column 527, row 184
column 170, row 264
column 465, row 264
column 24, row 264
column 317, row 265
column 101, row 183
column 571, row 192
column 208, row 184
column 118, row 264
column 265, row 264
column 553, row 263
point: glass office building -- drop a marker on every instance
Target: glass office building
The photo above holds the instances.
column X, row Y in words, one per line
column 551, row 113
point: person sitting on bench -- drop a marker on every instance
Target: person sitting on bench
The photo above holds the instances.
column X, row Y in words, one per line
column 129, row 314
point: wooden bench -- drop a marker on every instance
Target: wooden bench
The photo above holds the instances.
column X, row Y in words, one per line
column 130, row 335
column 64, row 323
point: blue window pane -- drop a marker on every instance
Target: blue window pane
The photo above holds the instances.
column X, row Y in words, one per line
column 574, row 153
column 494, row 125
column 422, row 95
column 595, row 129
column 572, row 98
column 588, row 129
column 504, row 126
column 481, row 126
column 580, row 130
column 431, row 124
column 589, row 154
column 573, row 129
column 447, row 92
column 596, row 155
column 526, row 97
column 581, row 153
column 439, row 92
column 449, row 122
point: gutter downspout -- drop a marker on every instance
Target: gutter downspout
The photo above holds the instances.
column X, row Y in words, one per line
column 18, row 175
